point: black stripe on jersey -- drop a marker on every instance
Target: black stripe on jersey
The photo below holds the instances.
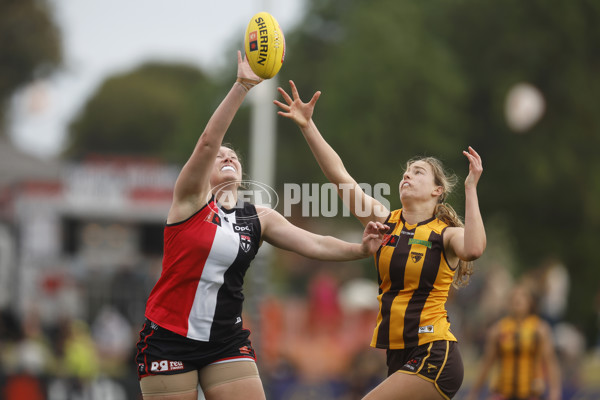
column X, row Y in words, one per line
column 230, row 296
column 535, row 351
column 391, row 226
column 397, row 269
column 415, row 306
column 517, row 355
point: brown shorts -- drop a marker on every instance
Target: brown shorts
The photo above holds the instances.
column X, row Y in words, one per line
column 439, row 362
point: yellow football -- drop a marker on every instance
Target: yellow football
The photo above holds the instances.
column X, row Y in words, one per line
column 265, row 45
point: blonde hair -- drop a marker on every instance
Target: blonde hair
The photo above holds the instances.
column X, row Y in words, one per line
column 445, row 213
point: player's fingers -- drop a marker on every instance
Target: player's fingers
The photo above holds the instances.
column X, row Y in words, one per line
column 294, row 90
column 279, row 104
column 314, row 99
column 285, row 96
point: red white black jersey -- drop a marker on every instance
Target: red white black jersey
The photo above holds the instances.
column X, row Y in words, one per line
column 199, row 293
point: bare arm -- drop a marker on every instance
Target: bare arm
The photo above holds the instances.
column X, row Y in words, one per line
column 192, row 187
column 489, row 358
column 468, row 243
column 279, row 232
column 364, row 207
column 550, row 363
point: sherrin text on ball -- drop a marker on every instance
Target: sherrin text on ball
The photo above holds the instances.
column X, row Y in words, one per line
column 264, row 45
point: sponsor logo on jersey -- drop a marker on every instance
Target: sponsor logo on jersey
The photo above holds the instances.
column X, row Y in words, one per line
column 426, row 329
column 165, row 366
column 425, row 243
column 238, row 320
column 214, row 218
column 408, row 233
column 390, row 240
column 242, row 228
column 245, row 242
column 245, row 350
column 416, row 257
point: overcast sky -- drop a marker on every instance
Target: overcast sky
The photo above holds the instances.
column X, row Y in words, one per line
column 104, row 37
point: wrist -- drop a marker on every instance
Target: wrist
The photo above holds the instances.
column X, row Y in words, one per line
column 247, row 83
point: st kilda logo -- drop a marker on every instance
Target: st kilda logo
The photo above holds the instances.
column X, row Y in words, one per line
column 245, row 242
column 245, row 239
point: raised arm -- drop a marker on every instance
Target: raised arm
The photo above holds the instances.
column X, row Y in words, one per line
column 469, row 243
column 363, row 206
column 192, row 187
column 279, row 232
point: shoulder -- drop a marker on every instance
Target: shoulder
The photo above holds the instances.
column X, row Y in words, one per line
column 439, row 226
column 543, row 328
column 394, row 216
column 268, row 216
column 449, row 232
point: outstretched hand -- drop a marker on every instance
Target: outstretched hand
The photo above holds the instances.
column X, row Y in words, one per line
column 475, row 168
column 295, row 109
column 373, row 237
column 245, row 75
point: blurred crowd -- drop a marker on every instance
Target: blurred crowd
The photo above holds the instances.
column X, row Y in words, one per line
column 312, row 340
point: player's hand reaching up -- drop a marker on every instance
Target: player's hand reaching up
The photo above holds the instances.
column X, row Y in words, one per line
column 245, row 76
column 294, row 109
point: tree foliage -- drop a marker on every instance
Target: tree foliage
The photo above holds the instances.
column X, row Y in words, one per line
column 144, row 112
column 30, row 45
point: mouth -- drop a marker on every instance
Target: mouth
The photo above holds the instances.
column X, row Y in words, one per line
column 228, row 168
column 405, row 184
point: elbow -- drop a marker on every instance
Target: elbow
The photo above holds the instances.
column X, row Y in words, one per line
column 474, row 253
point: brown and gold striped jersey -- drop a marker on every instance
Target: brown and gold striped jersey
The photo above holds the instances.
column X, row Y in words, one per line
column 414, row 281
column 518, row 351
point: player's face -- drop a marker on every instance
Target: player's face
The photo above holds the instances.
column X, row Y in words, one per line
column 227, row 167
column 520, row 302
column 418, row 182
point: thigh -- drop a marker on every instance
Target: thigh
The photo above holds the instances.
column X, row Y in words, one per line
column 170, row 387
column 400, row 386
column 437, row 362
column 227, row 380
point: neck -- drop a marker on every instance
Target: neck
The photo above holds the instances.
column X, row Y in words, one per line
column 413, row 214
column 227, row 197
column 520, row 316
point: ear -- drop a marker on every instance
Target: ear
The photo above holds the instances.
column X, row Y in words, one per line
column 438, row 191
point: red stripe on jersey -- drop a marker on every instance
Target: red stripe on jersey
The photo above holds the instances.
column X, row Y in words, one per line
column 186, row 248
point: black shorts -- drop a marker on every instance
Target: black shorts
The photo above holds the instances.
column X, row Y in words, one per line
column 160, row 351
column 439, row 362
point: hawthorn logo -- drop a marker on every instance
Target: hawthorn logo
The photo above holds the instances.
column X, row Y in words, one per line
column 416, row 257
